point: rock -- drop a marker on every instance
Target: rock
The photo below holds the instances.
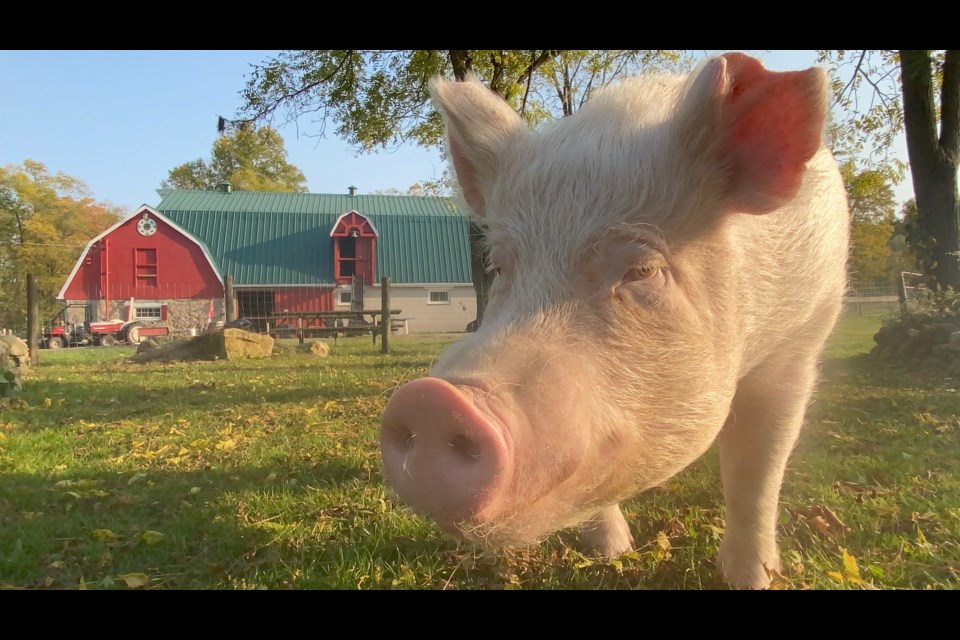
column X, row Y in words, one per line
column 148, row 345
column 228, row 343
column 14, row 364
column 954, row 343
column 316, row 348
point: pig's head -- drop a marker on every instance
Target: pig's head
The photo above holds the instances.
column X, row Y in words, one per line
column 612, row 344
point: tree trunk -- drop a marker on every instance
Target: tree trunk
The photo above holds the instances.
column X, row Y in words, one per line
column 482, row 280
column 933, row 158
column 461, row 62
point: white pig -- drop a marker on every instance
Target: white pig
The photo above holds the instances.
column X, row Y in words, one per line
column 670, row 261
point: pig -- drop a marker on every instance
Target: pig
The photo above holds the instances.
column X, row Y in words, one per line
column 669, row 263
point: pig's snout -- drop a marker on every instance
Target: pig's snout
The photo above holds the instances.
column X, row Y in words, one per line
column 444, row 455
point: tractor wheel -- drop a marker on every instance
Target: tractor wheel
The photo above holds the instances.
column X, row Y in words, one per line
column 54, row 342
column 131, row 333
column 107, row 340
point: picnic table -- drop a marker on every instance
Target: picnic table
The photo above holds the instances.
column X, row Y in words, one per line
column 325, row 324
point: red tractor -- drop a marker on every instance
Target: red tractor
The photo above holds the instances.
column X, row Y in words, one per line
column 105, row 333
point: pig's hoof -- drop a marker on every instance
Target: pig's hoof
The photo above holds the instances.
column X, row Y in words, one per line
column 747, row 570
column 608, row 533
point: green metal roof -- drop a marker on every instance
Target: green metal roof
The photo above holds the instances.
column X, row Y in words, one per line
column 284, row 238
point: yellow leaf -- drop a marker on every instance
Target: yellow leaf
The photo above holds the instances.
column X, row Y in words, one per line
column 151, row 537
column 663, row 541
column 836, row 575
column 227, row 445
column 330, row 405
column 47, row 402
column 194, row 490
column 103, row 535
column 850, row 564
column 183, row 451
column 135, row 580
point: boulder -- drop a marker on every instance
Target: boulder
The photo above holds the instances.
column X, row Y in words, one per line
column 316, row 348
column 148, row 345
column 228, row 343
column 14, row 364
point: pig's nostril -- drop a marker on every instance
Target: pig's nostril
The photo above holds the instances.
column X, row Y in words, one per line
column 466, row 447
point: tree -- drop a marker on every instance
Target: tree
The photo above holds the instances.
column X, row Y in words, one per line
column 872, row 214
column 249, row 159
column 904, row 87
column 45, row 221
column 380, row 98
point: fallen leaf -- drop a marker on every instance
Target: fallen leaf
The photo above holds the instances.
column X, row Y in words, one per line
column 663, row 541
column 104, row 535
column 850, row 564
column 151, row 537
column 135, row 580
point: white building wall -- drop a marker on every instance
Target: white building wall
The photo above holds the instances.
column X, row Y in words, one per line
column 422, row 315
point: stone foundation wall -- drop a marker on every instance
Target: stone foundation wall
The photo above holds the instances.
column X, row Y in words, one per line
column 182, row 314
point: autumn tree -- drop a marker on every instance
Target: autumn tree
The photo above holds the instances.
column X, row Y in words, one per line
column 379, row 98
column 249, row 159
column 872, row 214
column 45, row 221
column 918, row 92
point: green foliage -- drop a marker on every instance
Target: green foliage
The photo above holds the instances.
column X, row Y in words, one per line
column 866, row 86
column 266, row 474
column 45, row 221
column 872, row 208
column 250, row 160
column 378, row 98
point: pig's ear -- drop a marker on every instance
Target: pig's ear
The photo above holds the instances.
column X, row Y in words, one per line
column 769, row 124
column 480, row 126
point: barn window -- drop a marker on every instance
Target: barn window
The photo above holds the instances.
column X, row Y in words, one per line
column 145, row 266
column 439, row 297
column 148, row 312
column 344, row 296
column 354, row 249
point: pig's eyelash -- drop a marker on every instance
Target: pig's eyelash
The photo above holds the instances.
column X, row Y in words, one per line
column 493, row 269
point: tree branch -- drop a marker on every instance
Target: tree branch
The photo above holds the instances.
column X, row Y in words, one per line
column 288, row 97
column 537, row 62
column 853, row 77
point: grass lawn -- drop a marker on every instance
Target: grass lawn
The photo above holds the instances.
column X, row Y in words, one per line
column 266, row 474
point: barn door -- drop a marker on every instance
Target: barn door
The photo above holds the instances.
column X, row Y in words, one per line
column 356, row 299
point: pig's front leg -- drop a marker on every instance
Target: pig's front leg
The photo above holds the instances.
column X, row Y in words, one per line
column 608, row 532
column 754, row 446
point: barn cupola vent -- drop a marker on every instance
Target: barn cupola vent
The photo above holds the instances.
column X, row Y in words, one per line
column 352, row 190
column 224, row 187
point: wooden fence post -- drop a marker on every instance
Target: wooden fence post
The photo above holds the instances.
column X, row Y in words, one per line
column 385, row 314
column 228, row 298
column 33, row 319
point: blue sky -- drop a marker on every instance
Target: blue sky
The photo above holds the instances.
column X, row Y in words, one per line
column 120, row 120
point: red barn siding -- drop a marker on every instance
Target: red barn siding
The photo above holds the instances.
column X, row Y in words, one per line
column 303, row 299
column 110, row 267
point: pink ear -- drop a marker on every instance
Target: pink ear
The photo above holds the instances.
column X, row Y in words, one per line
column 774, row 125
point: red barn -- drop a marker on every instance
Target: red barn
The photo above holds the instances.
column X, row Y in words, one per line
column 287, row 253
column 144, row 267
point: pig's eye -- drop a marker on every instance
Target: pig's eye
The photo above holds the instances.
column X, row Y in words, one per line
column 492, row 270
column 643, row 272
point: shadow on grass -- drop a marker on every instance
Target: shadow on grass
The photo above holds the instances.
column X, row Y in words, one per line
column 197, row 529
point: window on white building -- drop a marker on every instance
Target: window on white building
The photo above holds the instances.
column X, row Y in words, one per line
column 439, row 297
column 344, row 296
